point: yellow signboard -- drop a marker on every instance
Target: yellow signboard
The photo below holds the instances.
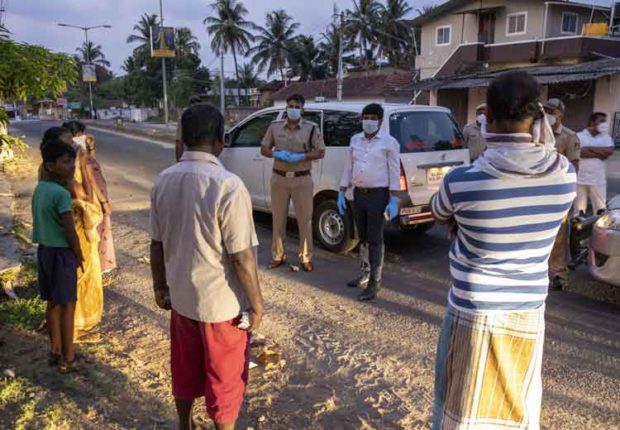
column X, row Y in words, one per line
column 162, row 42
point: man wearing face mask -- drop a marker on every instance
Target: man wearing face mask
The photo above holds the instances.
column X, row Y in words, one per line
column 596, row 147
column 567, row 144
column 372, row 167
column 293, row 143
column 472, row 133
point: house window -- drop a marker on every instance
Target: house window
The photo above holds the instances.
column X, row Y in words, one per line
column 569, row 23
column 443, row 35
column 516, row 24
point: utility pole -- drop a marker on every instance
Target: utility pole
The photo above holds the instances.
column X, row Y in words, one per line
column 340, row 54
column 163, row 65
column 222, row 95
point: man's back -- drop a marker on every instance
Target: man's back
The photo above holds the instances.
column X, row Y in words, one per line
column 202, row 213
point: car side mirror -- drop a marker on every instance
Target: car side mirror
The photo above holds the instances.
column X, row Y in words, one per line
column 227, row 139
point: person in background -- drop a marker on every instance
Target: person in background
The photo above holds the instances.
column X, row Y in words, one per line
column 59, row 254
column 567, row 144
column 507, row 208
column 472, row 133
column 203, row 261
column 87, row 215
column 596, row 147
column 294, row 143
column 178, row 148
column 372, row 167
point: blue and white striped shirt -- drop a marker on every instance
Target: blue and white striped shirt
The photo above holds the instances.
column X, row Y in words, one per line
column 506, row 230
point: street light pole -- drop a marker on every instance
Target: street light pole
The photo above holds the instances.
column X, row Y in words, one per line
column 340, row 60
column 163, row 66
column 90, row 85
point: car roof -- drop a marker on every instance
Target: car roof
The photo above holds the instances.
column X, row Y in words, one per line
column 357, row 107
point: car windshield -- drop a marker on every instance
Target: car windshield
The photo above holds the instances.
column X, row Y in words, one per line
column 425, row 131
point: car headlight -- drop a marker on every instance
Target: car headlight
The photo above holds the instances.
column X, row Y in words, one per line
column 610, row 220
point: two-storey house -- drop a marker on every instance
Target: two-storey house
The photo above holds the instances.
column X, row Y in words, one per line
column 572, row 48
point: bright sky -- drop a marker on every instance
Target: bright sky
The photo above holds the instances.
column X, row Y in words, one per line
column 35, row 21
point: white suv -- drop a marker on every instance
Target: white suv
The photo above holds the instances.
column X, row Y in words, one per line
column 431, row 143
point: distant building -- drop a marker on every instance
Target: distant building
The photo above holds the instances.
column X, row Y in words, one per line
column 572, row 48
column 261, row 96
column 392, row 86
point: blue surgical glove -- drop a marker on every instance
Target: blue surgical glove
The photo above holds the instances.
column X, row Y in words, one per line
column 296, row 157
column 281, row 155
column 392, row 208
column 341, row 202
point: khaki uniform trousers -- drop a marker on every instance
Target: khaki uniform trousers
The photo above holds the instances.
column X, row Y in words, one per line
column 558, row 262
column 299, row 189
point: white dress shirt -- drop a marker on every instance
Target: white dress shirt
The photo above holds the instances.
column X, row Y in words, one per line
column 373, row 163
column 592, row 170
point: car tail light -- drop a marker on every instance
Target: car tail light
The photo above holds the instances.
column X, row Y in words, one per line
column 403, row 179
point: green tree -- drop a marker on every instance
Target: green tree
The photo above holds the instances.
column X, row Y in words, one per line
column 33, row 71
column 229, row 29
column 143, row 32
column 186, row 43
column 329, row 47
column 247, row 76
column 306, row 60
column 94, row 53
column 360, row 23
column 275, row 41
column 394, row 34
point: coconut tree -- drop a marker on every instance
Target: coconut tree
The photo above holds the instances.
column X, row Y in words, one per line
column 393, row 33
column 143, row 32
column 329, row 50
column 186, row 43
column 305, row 58
column 247, row 76
column 229, row 30
column 275, row 41
column 360, row 23
column 90, row 51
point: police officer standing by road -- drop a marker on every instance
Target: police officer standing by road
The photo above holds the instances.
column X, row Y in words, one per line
column 293, row 143
column 372, row 167
column 472, row 134
column 567, row 144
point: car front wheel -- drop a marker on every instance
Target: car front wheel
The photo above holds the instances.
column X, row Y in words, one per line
column 335, row 232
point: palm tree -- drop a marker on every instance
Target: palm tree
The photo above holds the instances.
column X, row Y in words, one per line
column 143, row 35
column 247, row 76
column 4, row 33
column 305, row 59
column 90, row 51
column 393, row 33
column 230, row 30
column 329, row 50
column 275, row 40
column 186, row 43
column 360, row 22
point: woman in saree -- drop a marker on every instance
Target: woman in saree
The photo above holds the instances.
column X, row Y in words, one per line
column 88, row 215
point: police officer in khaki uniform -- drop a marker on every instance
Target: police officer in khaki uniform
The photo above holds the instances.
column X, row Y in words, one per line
column 472, row 133
column 294, row 144
column 567, row 144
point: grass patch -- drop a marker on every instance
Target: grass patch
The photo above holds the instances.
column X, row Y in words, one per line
column 28, row 310
column 14, row 390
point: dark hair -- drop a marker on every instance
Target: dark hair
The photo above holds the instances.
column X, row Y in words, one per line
column 55, row 148
column 595, row 116
column 514, row 96
column 296, row 97
column 202, row 124
column 373, row 109
column 74, row 127
column 57, row 133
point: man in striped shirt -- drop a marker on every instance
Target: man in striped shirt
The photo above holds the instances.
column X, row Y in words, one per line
column 507, row 208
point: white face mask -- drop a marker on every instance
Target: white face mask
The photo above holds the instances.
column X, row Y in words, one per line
column 481, row 119
column 551, row 118
column 603, row 128
column 80, row 141
column 370, row 126
column 293, row 113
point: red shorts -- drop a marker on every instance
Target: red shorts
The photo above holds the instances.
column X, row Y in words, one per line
column 210, row 360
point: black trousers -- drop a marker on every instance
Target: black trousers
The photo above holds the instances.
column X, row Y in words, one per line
column 368, row 208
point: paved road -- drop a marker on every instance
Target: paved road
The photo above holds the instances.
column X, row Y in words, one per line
column 582, row 350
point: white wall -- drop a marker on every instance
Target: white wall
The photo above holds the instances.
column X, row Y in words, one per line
column 607, row 96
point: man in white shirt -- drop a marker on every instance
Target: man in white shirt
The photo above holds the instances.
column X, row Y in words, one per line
column 372, row 167
column 596, row 147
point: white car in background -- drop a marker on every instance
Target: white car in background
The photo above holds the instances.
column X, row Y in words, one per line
column 431, row 144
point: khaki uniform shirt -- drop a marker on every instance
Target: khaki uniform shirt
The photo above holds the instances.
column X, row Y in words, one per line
column 567, row 143
column 202, row 213
column 296, row 139
column 474, row 140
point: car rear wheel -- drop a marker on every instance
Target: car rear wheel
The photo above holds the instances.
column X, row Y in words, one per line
column 334, row 231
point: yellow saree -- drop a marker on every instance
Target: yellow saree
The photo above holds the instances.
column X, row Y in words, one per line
column 89, row 307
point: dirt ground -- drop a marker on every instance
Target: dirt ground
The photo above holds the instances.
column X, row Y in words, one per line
column 338, row 364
